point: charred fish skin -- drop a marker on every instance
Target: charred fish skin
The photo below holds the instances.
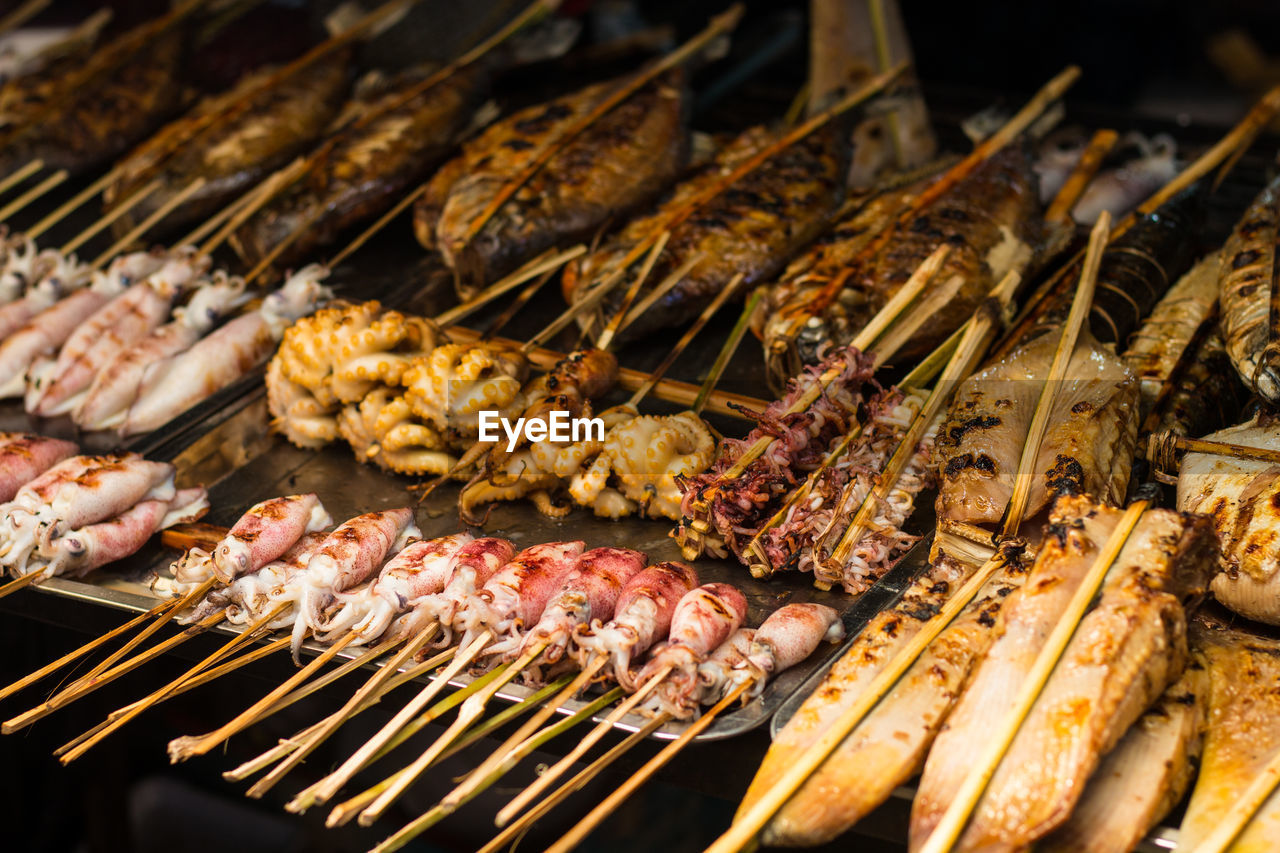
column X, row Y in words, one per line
column 752, row 228
column 368, row 166
column 1247, row 294
column 619, row 163
column 239, row 149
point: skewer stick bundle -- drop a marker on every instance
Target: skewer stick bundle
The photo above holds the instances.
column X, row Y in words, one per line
column 32, row 194
column 548, row 261
column 150, row 222
column 19, row 175
column 68, row 206
column 106, row 219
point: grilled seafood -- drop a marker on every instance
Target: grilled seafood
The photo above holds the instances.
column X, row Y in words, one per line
column 1087, row 449
column 1121, row 189
column 991, row 221
column 47, row 277
column 1245, row 285
column 475, row 564
column 1240, row 496
column 1124, row 653
column 750, row 227
column 31, row 49
column 620, row 162
column 361, row 170
column 512, row 600
column 232, row 145
column 25, row 456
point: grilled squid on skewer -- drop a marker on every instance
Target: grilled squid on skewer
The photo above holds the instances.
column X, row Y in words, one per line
column 252, row 595
column 24, row 456
column 24, row 266
column 82, row 550
column 50, row 277
column 476, row 563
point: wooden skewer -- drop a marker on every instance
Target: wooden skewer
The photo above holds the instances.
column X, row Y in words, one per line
column 435, row 815
column 722, row 23
column 513, row 831
column 150, row 222
column 591, row 739
column 216, row 221
column 331, row 723
column 19, row 175
column 279, row 248
column 20, row 582
column 54, row 703
column 469, row 785
column 615, row 322
column 68, row 206
column 575, row 836
column 548, row 261
column 588, row 302
column 115, row 213
column 747, row 825
column 1162, row 449
column 22, row 14
column 663, row 287
column 952, row 824
column 32, row 194
column 517, row 305
column 707, row 313
column 726, row 352
column 326, row 788
column 471, row 711
column 1090, row 161
column 498, row 720
column 159, row 695
column 377, row 226
column 259, row 197
column 1057, row 373
column 1242, row 810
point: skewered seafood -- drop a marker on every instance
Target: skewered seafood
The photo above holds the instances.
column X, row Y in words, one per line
column 232, row 140
column 1245, row 285
column 180, row 381
column 512, row 600
column 642, row 615
column 31, row 49
column 620, row 162
column 476, row 563
column 24, row 456
column 1088, row 448
column 1119, row 190
column 389, row 145
column 991, row 221
column 252, row 596
column 1240, row 496
column 1122, row 656
column 751, row 228
column 44, row 278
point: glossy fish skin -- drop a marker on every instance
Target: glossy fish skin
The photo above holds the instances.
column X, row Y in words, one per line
column 1244, row 702
column 1087, row 449
column 367, row 168
column 1144, row 777
column 890, row 745
column 1242, row 497
column 1246, row 284
column 619, row 163
column 1124, row 653
column 238, row 150
column 751, row 228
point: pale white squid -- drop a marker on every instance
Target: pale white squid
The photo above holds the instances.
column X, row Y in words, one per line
column 474, row 565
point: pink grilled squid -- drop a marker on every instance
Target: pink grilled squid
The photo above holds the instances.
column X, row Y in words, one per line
column 516, row 594
column 703, row 619
column 476, row 563
column 266, row 531
column 24, row 456
column 792, row 633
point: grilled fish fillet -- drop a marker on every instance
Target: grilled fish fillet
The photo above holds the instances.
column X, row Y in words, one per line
column 1242, row 737
column 367, row 166
column 246, row 142
column 1242, row 496
column 1144, row 776
column 1087, row 449
column 889, row 746
column 1246, row 283
column 752, row 227
column 1123, row 655
column 620, row 162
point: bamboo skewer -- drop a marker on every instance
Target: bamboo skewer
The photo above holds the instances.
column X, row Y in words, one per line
column 726, row 352
column 514, row 830
column 7, row 212
column 183, row 748
column 159, row 695
column 20, row 582
column 953, row 821
column 279, row 248
column 435, row 815
column 1162, row 449
column 1057, row 374
column 646, row 269
column 578, row 834
column 1242, row 810
column 592, row 737
column 259, row 197
column 70, row 205
column 150, row 222
column 377, row 226
column 663, row 287
column 720, row 24
column 216, row 221
column 1090, row 161
column 325, row 789
column 19, row 175
column 548, row 261
column 106, row 219
column 22, row 14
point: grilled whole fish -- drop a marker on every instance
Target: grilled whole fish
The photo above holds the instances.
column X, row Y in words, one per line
column 1244, row 702
column 752, row 227
column 1242, row 496
column 888, row 747
column 1144, row 776
column 1124, row 653
column 1087, row 449
column 122, row 98
column 1246, row 284
column 991, row 220
column 362, row 170
column 245, row 142
column 619, row 163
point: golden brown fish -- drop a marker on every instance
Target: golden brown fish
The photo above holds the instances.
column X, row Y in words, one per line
column 1246, row 288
